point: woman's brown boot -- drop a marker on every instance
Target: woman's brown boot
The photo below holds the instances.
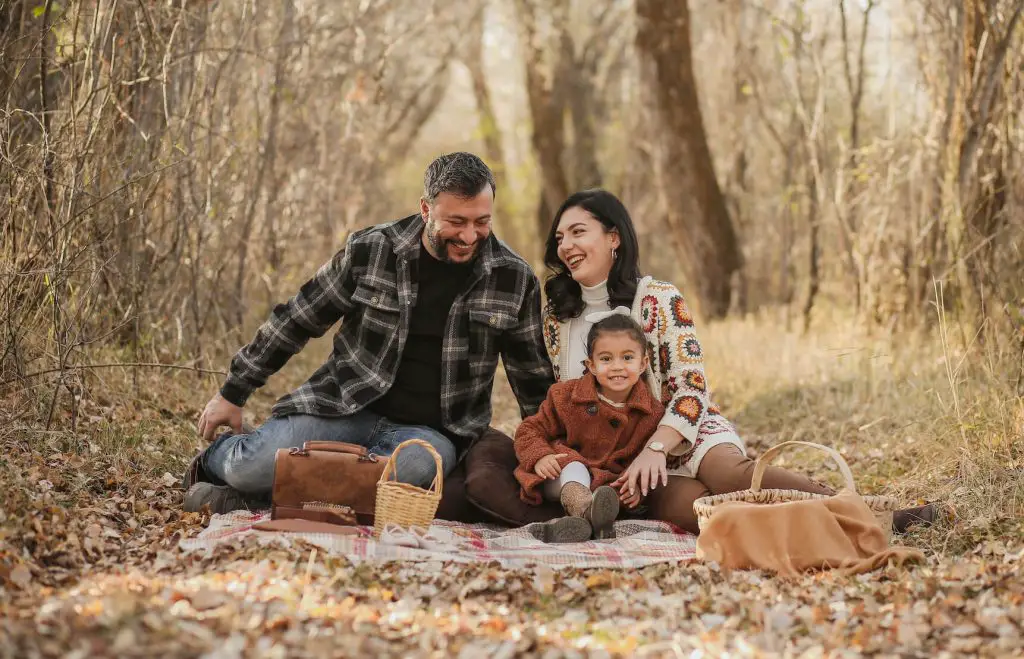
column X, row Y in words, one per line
column 925, row 515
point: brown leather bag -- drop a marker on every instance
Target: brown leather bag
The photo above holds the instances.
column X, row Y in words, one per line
column 332, row 482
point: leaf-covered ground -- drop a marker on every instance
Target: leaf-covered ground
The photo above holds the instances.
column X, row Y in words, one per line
column 90, row 521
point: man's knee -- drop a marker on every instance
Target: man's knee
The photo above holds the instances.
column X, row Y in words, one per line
column 244, row 462
column 417, row 466
column 248, row 474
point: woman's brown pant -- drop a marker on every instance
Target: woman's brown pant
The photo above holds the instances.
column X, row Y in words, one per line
column 723, row 469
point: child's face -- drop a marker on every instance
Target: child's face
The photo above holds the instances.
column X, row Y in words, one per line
column 618, row 361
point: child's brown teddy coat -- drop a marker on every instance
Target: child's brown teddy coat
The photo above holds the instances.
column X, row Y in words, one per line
column 574, row 421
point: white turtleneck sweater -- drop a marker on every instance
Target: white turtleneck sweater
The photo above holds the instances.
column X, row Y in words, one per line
column 596, row 299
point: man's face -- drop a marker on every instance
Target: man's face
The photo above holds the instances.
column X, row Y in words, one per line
column 457, row 227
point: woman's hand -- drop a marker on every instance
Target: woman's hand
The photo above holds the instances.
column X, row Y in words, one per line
column 643, row 474
column 548, row 467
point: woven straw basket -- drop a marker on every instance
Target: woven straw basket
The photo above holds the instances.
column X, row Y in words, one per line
column 881, row 506
column 401, row 503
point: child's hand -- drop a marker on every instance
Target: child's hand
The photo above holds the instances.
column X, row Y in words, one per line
column 630, row 500
column 548, row 467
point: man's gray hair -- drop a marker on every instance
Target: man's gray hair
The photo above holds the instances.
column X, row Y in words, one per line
column 461, row 174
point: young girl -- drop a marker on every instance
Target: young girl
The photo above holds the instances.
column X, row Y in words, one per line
column 588, row 431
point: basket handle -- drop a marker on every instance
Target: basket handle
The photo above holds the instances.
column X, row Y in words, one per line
column 392, row 467
column 762, row 463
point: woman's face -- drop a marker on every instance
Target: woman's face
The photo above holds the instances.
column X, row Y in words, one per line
column 585, row 246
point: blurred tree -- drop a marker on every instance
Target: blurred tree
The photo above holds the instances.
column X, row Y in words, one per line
column 696, row 208
column 571, row 55
column 472, row 55
column 547, row 63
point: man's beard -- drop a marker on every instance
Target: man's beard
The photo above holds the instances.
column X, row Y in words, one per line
column 440, row 245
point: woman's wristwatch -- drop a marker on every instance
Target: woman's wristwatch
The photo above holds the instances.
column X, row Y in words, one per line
column 657, row 446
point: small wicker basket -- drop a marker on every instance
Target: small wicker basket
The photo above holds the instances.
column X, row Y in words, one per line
column 881, row 506
column 401, row 503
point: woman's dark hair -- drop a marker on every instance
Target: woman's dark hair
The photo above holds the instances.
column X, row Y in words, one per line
column 620, row 322
column 563, row 292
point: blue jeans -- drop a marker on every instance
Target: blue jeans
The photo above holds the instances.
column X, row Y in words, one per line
column 246, row 461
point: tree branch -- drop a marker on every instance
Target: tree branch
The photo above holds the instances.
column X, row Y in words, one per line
column 79, row 367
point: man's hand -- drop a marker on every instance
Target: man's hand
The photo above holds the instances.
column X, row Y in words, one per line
column 548, row 467
column 219, row 412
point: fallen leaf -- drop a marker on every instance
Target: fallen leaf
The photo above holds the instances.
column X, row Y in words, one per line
column 206, row 599
column 21, row 576
column 600, row 579
column 544, row 580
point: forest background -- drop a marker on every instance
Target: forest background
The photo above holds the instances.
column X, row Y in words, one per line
column 837, row 186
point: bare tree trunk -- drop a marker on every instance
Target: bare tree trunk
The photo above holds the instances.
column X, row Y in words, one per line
column 849, row 222
column 933, row 232
column 590, row 65
column 789, row 186
column 814, row 249
column 855, row 81
column 697, row 211
column 44, row 61
column 808, row 124
column 266, row 163
column 547, row 107
column 270, row 210
column 584, row 168
column 489, row 131
column 736, row 185
column 974, row 179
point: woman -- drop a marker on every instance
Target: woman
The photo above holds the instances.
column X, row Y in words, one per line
column 593, row 253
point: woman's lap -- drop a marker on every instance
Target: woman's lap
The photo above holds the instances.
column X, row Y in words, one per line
column 673, row 503
column 724, row 468
column 491, row 485
column 715, row 431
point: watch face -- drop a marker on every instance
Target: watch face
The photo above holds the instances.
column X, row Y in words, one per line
column 656, row 446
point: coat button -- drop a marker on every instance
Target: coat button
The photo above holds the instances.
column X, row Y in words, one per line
column 592, row 410
column 375, row 299
column 615, row 423
column 494, row 320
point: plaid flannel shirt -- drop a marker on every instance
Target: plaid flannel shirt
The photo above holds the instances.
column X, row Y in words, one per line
column 368, row 285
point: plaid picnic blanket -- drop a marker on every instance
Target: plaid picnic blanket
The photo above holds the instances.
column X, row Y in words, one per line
column 638, row 543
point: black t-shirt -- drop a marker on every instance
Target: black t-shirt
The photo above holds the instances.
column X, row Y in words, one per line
column 415, row 397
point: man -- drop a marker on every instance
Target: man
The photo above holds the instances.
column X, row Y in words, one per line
column 427, row 304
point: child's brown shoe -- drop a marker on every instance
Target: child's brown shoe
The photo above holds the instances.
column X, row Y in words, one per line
column 603, row 510
column 600, row 507
column 562, row 530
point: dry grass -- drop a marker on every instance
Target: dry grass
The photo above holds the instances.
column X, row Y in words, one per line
column 92, row 519
column 917, row 416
